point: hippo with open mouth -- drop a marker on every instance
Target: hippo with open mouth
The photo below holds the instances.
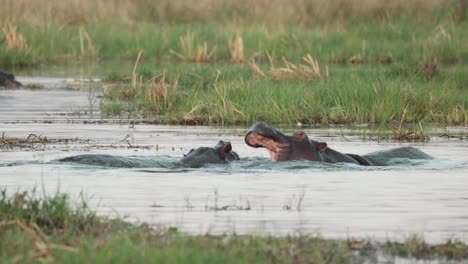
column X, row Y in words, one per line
column 299, row 147
column 195, row 158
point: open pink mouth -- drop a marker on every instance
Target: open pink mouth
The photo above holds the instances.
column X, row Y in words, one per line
column 278, row 151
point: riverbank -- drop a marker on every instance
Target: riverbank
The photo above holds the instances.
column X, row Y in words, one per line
column 306, row 93
column 50, row 229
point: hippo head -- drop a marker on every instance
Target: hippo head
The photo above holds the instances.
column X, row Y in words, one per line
column 218, row 154
column 282, row 147
column 224, row 150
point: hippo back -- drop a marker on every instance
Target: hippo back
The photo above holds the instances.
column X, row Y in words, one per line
column 384, row 157
column 116, row 161
column 196, row 158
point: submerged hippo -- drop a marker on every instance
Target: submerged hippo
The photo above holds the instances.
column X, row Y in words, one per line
column 220, row 153
column 299, row 147
column 8, row 80
column 196, row 158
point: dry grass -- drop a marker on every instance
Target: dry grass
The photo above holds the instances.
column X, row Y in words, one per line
column 14, row 40
column 6, row 142
column 137, row 80
column 355, row 59
column 310, row 70
column 459, row 115
column 86, row 44
column 256, row 70
column 41, row 245
column 159, row 91
column 409, row 135
column 305, row 12
column 191, row 51
column 236, row 48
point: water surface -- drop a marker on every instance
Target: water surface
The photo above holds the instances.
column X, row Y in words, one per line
column 253, row 195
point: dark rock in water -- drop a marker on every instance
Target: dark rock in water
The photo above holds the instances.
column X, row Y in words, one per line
column 8, row 80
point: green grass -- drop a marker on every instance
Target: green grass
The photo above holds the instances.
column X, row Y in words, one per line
column 379, row 56
column 50, row 229
column 232, row 94
column 399, row 41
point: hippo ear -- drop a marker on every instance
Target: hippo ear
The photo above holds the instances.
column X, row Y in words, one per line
column 192, row 150
column 320, row 146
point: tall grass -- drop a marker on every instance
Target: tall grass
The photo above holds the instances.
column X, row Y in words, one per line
column 233, row 94
column 362, row 31
column 235, row 61
column 304, row 12
column 191, row 51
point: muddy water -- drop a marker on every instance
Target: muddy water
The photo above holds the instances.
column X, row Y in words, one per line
column 252, row 195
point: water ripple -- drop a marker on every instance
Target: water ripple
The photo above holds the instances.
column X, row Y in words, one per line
column 168, row 164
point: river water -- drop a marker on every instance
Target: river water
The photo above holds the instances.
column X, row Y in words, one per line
column 253, row 195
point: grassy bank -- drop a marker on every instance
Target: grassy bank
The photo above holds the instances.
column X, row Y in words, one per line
column 37, row 230
column 237, row 62
column 243, row 94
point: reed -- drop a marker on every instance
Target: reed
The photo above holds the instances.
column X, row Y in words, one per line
column 309, row 71
column 160, row 93
column 14, row 40
column 191, row 51
column 236, row 95
column 236, row 48
column 306, row 12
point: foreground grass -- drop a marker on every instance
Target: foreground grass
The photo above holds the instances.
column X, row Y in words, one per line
column 38, row 230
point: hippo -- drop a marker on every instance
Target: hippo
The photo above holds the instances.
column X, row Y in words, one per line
column 8, row 80
column 298, row 146
column 195, row 158
column 220, row 153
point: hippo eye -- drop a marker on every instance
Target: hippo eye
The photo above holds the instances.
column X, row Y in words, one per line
column 300, row 135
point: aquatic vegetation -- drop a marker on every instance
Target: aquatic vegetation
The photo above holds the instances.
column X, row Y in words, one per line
column 239, row 94
column 7, row 142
